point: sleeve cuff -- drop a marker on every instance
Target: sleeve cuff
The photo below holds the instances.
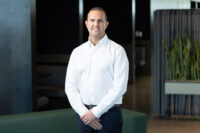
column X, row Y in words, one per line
column 96, row 111
column 83, row 111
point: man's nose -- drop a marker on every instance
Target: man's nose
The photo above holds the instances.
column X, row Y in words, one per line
column 96, row 23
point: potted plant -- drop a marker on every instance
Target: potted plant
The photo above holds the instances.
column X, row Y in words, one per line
column 183, row 66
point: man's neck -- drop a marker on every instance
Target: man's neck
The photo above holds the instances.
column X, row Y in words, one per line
column 95, row 40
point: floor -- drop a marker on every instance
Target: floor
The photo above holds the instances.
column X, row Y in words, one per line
column 139, row 97
column 173, row 126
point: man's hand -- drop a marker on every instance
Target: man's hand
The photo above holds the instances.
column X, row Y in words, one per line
column 95, row 124
column 90, row 119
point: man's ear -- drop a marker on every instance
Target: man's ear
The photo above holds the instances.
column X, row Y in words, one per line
column 86, row 23
column 107, row 23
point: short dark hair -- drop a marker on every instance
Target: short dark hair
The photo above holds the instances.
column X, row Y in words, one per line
column 98, row 9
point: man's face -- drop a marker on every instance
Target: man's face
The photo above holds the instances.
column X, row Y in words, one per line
column 96, row 24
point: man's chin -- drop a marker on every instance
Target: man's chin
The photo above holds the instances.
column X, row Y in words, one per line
column 96, row 35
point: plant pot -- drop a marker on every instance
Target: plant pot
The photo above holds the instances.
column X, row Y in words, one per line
column 187, row 87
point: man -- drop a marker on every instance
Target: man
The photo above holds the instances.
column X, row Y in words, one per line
column 96, row 80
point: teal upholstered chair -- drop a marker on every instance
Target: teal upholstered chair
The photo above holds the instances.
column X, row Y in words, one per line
column 62, row 121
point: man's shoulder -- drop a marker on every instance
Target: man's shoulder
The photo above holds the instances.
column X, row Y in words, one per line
column 115, row 45
column 80, row 48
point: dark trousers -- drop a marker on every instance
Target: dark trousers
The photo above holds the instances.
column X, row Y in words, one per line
column 111, row 122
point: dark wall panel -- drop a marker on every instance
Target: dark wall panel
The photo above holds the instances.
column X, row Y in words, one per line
column 15, row 57
column 57, row 26
column 143, row 19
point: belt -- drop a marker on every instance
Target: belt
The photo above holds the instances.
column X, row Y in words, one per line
column 92, row 106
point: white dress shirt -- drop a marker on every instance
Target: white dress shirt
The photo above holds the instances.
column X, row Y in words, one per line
column 97, row 75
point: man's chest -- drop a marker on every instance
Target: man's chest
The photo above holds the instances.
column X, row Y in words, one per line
column 99, row 60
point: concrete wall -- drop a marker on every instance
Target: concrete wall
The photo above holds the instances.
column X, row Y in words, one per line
column 15, row 57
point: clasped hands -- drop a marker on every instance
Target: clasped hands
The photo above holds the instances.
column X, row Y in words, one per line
column 90, row 119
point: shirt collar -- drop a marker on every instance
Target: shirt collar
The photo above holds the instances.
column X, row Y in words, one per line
column 101, row 42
